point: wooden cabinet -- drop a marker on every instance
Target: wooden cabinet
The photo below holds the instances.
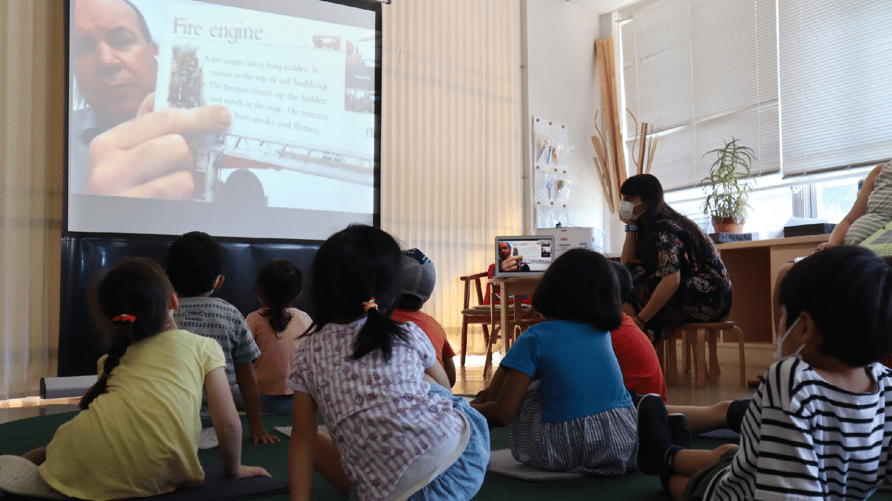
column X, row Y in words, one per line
column 753, row 267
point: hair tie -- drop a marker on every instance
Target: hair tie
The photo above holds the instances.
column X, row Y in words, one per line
column 124, row 318
column 370, row 304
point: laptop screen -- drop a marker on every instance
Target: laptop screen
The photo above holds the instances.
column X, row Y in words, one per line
column 523, row 256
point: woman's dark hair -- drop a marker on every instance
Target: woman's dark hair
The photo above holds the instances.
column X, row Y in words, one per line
column 649, row 189
column 847, row 290
column 354, row 266
column 137, row 288
column 280, row 282
column 581, row 285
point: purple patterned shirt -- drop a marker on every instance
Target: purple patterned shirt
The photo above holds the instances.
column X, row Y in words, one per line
column 380, row 415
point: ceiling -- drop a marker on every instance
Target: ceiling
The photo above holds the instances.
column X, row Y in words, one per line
column 600, row 6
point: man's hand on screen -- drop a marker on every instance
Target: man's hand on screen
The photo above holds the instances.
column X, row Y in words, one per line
column 148, row 157
column 512, row 263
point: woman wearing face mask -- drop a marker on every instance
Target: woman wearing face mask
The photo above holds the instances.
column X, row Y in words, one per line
column 677, row 274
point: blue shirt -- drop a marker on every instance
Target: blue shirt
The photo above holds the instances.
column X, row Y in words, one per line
column 576, row 366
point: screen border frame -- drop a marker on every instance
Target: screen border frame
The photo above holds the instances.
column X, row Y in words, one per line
column 370, row 5
column 497, row 273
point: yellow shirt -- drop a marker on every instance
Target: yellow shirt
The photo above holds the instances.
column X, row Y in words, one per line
column 140, row 437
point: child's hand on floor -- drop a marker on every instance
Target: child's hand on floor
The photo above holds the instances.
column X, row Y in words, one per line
column 259, row 435
column 251, row 471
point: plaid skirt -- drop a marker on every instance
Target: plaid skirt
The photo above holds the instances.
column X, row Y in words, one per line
column 605, row 443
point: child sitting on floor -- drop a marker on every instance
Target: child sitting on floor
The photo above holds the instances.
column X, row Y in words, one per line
column 276, row 327
column 560, row 387
column 819, row 426
column 393, row 435
column 137, row 434
column 419, row 277
column 636, row 354
column 194, row 266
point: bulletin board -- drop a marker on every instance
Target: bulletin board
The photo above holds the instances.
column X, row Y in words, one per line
column 552, row 177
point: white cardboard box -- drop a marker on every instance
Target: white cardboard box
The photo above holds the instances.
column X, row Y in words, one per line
column 569, row 238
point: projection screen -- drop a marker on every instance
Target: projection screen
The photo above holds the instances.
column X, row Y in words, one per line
column 240, row 118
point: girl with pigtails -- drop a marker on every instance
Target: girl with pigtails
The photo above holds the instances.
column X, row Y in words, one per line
column 392, row 435
column 137, row 432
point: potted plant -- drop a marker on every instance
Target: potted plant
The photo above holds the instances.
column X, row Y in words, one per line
column 728, row 186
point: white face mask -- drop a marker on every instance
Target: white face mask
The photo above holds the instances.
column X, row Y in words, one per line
column 778, row 355
column 626, row 208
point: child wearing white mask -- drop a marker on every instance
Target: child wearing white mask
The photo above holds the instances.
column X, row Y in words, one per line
column 818, row 426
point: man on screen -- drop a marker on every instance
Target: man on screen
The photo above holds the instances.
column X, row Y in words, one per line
column 119, row 144
column 507, row 262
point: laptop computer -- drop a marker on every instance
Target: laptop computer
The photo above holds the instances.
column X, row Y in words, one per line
column 532, row 254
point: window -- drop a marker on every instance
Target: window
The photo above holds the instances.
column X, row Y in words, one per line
column 833, row 88
column 834, row 199
column 700, row 72
column 770, row 209
column 798, row 81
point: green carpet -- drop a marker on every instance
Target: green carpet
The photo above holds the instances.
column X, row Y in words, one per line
column 18, row 437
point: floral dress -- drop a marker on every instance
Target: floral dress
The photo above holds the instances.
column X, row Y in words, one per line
column 704, row 294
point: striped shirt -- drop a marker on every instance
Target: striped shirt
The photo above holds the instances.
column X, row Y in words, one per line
column 878, row 211
column 380, row 414
column 217, row 319
column 804, row 439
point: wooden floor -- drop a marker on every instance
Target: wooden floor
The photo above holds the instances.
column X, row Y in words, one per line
column 469, row 380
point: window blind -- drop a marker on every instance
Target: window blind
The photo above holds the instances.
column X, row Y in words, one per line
column 834, row 84
column 700, row 72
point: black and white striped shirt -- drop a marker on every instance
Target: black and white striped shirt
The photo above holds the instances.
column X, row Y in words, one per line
column 805, row 439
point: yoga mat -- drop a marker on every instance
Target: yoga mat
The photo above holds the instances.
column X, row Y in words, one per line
column 502, row 463
column 217, row 487
column 18, row 437
column 723, row 434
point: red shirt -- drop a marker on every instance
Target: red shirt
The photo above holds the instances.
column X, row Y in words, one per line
column 638, row 359
column 431, row 327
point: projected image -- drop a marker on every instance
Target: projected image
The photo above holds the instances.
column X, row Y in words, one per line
column 186, row 85
column 187, row 100
column 524, row 255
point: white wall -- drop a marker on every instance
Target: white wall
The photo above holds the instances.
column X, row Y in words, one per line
column 562, row 84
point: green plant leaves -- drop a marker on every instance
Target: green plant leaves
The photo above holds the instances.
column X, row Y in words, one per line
column 730, row 181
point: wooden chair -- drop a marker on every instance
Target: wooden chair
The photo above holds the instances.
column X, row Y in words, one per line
column 527, row 318
column 476, row 313
column 481, row 313
column 694, row 338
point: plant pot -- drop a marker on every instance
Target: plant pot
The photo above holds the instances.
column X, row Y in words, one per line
column 728, row 224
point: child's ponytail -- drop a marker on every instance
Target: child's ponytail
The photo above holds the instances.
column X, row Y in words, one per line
column 135, row 297
column 356, row 273
column 122, row 339
column 378, row 333
column 279, row 283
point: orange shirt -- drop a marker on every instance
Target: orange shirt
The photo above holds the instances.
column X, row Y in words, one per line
column 431, row 327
